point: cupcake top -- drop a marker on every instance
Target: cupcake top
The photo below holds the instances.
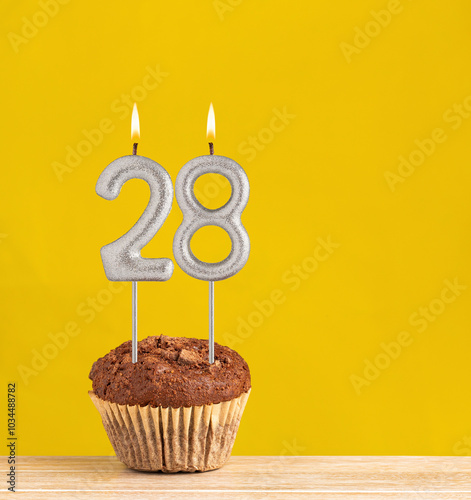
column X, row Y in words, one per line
column 170, row 371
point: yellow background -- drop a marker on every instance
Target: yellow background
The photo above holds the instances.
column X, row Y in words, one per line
column 349, row 115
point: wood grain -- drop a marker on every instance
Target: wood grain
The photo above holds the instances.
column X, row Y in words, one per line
column 249, row 478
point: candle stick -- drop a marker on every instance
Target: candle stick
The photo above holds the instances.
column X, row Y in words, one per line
column 134, row 322
column 135, row 134
column 211, row 321
column 211, row 131
column 196, row 216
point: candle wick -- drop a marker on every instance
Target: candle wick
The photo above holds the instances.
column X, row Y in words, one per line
column 134, row 148
column 211, row 148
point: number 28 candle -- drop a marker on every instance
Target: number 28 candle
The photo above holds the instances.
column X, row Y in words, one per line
column 122, row 258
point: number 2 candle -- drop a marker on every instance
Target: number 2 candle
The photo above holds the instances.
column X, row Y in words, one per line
column 122, row 258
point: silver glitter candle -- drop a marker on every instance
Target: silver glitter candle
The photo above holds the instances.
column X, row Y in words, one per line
column 196, row 216
column 122, row 258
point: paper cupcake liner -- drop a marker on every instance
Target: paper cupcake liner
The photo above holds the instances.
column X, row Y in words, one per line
column 197, row 438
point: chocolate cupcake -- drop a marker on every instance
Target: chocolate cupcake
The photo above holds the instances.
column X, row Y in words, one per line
column 172, row 410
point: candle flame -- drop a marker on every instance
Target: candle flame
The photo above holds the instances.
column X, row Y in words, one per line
column 135, row 128
column 211, row 126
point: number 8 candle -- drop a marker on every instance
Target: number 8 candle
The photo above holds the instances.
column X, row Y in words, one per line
column 196, row 216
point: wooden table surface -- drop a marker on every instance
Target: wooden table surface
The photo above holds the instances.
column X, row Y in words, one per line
column 248, row 478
